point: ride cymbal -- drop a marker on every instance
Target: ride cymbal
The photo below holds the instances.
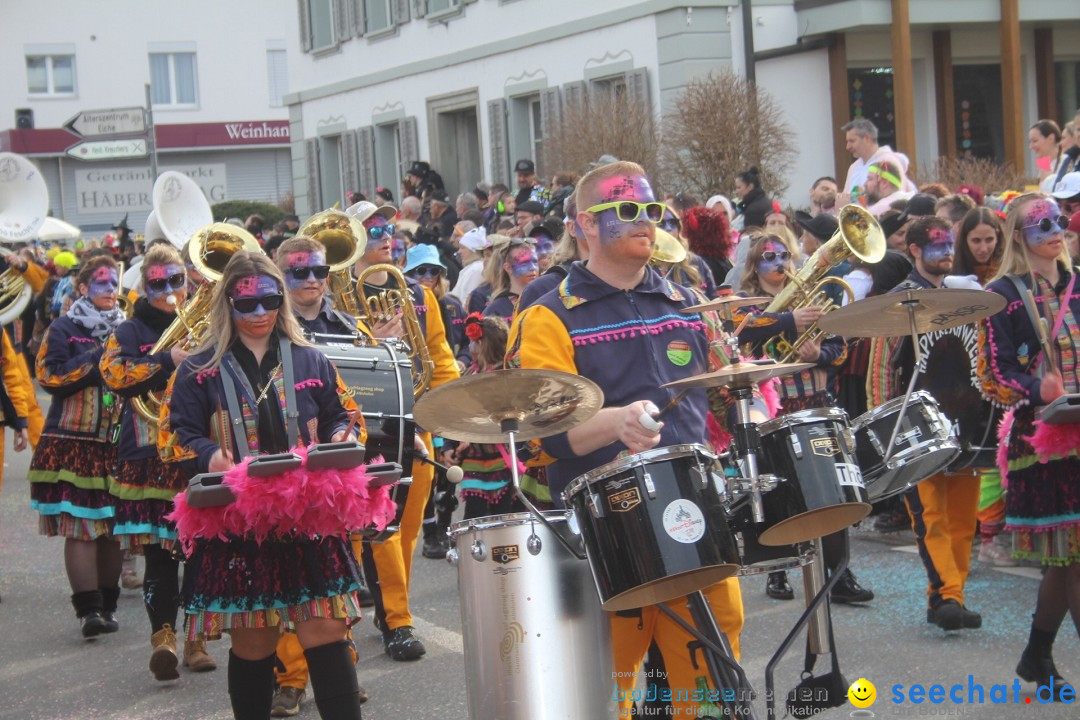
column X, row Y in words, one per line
column 739, row 375
column 933, row 309
column 474, row 408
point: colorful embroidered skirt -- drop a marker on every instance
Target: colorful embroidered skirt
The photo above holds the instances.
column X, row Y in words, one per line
column 1042, row 504
column 240, row 583
column 69, row 487
column 143, row 491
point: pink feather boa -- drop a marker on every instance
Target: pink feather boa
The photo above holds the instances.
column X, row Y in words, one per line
column 1049, row 442
column 718, row 434
column 299, row 502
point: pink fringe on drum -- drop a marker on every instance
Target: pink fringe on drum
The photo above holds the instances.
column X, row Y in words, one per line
column 301, row 501
column 1004, row 428
column 718, row 435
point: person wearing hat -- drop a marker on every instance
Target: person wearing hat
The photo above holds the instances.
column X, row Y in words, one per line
column 546, row 234
column 816, row 231
column 528, row 213
column 388, row 565
column 884, row 182
column 1067, row 192
column 420, row 178
column 65, row 262
column 442, row 213
column 471, row 250
column 529, row 188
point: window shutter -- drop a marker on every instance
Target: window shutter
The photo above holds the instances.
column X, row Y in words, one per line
column 410, row 142
column 637, row 86
column 573, row 93
column 401, row 11
column 550, row 111
column 365, row 148
column 419, row 8
column 305, row 25
column 342, row 21
column 499, row 140
column 314, row 176
column 350, row 167
column 358, row 18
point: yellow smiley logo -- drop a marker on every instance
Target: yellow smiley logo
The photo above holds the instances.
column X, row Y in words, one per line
column 862, row 693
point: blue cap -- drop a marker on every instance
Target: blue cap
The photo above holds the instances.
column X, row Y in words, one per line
column 422, row 255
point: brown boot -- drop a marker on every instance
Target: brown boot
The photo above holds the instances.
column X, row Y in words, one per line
column 163, row 654
column 195, row 656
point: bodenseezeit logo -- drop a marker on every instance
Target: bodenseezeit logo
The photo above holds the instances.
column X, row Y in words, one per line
column 863, row 694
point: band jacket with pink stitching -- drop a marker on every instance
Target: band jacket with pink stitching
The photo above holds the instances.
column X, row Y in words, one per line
column 67, row 368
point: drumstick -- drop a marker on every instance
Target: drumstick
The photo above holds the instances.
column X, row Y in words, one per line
column 352, row 422
column 671, row 404
column 742, row 325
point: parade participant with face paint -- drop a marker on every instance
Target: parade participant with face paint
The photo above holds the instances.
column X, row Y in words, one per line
column 424, row 266
column 255, row 363
column 617, row 212
column 518, row 266
column 768, row 263
column 692, row 271
column 70, row 470
column 143, row 486
column 943, row 506
column 1042, row 505
column 389, row 564
column 566, row 253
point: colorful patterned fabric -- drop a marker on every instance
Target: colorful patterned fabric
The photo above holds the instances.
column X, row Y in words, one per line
column 69, row 482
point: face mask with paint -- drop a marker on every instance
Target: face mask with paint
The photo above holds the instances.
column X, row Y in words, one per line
column 544, row 245
column 104, row 281
column 523, row 261
column 940, row 245
column 297, row 262
column 1042, row 222
column 774, row 259
column 634, row 188
column 251, row 297
column 164, row 280
column 397, row 249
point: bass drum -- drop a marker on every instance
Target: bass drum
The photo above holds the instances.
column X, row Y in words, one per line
column 379, row 379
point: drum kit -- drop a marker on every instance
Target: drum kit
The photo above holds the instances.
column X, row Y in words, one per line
column 665, row 524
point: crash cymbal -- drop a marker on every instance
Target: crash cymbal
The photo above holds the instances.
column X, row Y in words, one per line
column 934, row 309
column 739, row 375
column 544, row 402
column 730, row 301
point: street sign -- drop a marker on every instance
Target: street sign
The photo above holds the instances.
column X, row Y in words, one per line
column 118, row 121
column 108, row 149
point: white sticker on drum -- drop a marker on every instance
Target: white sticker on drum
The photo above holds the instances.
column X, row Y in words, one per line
column 683, row 521
column 849, row 475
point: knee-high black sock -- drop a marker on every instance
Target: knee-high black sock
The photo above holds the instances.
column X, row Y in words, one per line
column 161, row 589
column 333, row 681
column 251, row 687
column 86, row 602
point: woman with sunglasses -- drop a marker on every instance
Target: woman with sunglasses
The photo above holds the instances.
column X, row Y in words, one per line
column 1042, row 505
column 72, row 464
column 256, row 387
column 692, row 271
column 767, row 265
column 143, row 486
column 424, row 266
column 515, row 266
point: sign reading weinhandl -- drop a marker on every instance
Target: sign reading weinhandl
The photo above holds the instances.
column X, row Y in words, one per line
column 108, row 149
column 117, row 121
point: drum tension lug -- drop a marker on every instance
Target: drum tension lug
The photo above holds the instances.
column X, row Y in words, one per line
column 796, row 446
column 534, row 544
column 595, row 509
column 650, row 486
column 478, row 550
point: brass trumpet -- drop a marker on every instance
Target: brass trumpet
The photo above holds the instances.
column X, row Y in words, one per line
column 387, row 304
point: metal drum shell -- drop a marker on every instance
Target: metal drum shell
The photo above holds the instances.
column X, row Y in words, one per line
column 537, row 643
column 821, row 489
column 635, row 559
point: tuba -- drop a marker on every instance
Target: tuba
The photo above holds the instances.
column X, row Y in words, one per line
column 210, row 250
column 859, row 235
column 180, row 208
column 344, row 238
column 24, row 204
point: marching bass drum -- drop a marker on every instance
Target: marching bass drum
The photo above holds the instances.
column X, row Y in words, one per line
column 379, row 379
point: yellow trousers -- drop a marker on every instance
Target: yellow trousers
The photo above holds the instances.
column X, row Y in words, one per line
column 35, row 419
column 943, row 509
column 631, row 636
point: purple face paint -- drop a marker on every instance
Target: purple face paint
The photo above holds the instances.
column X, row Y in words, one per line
column 104, row 281
column 523, row 261
column 301, row 260
column 250, row 287
column 622, row 187
column 1036, row 212
column 162, row 272
column 544, row 245
column 777, row 264
column 940, row 245
column 397, row 249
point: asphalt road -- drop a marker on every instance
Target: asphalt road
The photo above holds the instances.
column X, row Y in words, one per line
column 47, row 671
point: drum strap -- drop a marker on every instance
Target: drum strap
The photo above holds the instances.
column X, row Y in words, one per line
column 1033, row 314
column 291, row 413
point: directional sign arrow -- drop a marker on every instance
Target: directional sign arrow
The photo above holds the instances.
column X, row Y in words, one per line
column 108, row 149
column 98, row 123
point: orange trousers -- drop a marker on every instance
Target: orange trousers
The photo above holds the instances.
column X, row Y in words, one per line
column 631, row 636
column 943, row 509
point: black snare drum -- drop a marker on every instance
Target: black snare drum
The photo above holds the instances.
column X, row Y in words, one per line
column 654, row 526
column 821, row 488
column 379, row 379
column 924, row 445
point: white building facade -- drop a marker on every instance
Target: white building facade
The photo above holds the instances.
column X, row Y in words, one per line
column 218, row 73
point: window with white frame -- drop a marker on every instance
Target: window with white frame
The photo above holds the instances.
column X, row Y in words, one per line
column 434, row 7
column 378, row 15
column 278, row 77
column 172, row 79
column 536, row 133
column 50, row 74
column 321, row 15
column 388, row 155
column 524, row 126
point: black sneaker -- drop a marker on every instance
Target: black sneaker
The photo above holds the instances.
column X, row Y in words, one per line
column 894, row 520
column 951, row 615
column 778, row 587
column 848, row 590
column 93, row 624
column 402, row 644
column 434, row 547
column 1040, row 671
